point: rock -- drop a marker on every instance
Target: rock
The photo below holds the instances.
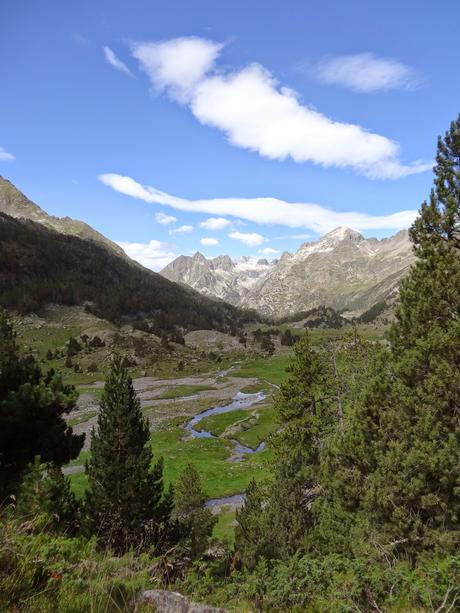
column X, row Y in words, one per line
column 172, row 602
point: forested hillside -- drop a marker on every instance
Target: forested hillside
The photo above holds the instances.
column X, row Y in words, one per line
column 39, row 266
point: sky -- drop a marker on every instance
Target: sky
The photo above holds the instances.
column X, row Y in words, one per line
column 236, row 127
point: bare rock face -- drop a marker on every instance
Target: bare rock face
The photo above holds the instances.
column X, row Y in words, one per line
column 220, row 277
column 172, row 602
column 341, row 270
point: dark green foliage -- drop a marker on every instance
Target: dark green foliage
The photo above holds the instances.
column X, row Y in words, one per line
column 46, row 500
column 287, row 338
column 124, row 494
column 195, row 522
column 418, row 471
column 267, row 345
column 73, row 347
column 32, row 406
column 371, row 314
column 367, row 457
column 39, row 266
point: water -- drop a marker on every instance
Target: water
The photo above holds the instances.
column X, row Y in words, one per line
column 241, row 401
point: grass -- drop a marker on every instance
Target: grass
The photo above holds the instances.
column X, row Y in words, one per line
column 217, row 424
column 224, row 530
column 96, row 392
column 182, row 391
column 271, row 369
column 266, row 423
column 218, row 476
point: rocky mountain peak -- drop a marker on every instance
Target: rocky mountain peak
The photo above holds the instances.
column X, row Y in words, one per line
column 224, row 262
column 342, row 233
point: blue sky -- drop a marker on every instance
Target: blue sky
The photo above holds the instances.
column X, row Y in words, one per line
column 275, row 120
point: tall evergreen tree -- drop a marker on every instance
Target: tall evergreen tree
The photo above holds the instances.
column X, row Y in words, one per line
column 32, row 406
column 123, row 500
column 194, row 520
column 415, row 492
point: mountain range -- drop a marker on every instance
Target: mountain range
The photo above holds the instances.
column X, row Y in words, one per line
column 342, row 270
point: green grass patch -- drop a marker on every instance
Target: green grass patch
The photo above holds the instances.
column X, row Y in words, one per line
column 271, row 369
column 218, row 476
column 266, row 424
column 96, row 392
column 255, row 388
column 224, row 530
column 217, row 424
column 182, row 391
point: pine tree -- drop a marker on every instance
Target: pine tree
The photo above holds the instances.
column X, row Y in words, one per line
column 32, row 406
column 414, row 494
column 46, row 500
column 194, row 520
column 123, row 500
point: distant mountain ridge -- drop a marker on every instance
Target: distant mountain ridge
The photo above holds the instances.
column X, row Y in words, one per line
column 221, row 277
column 342, row 270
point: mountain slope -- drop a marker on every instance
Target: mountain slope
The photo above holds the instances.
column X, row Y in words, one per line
column 39, row 265
column 14, row 203
column 342, row 270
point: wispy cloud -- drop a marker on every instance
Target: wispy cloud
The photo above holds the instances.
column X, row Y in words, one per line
column 182, row 230
column 251, row 108
column 215, row 223
column 310, row 216
column 252, row 239
column 164, row 219
column 6, row 156
column 154, row 254
column 114, row 61
column 208, row 241
column 268, row 251
column 365, row 72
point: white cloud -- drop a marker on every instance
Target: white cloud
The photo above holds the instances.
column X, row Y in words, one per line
column 268, row 251
column 310, row 216
column 258, row 114
column 177, row 65
column 365, row 72
column 182, row 230
column 114, row 61
column 154, row 254
column 5, row 156
column 248, row 238
column 215, row 223
column 164, row 219
column 209, row 241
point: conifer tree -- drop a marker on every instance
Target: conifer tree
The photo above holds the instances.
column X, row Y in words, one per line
column 123, row 500
column 194, row 520
column 46, row 500
column 414, row 494
column 32, row 406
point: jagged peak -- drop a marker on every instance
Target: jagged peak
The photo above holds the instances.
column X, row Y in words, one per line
column 199, row 257
column 342, row 233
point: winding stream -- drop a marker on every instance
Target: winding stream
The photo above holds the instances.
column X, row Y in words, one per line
column 240, row 401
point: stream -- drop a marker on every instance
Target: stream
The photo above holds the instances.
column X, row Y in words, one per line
column 240, row 401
